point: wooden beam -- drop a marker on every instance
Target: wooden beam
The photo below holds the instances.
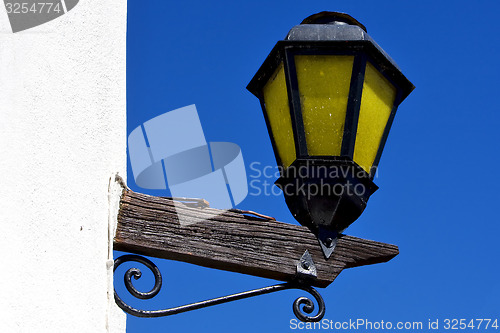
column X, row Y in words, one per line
column 235, row 242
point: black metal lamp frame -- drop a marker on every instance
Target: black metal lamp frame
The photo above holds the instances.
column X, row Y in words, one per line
column 363, row 51
column 327, row 215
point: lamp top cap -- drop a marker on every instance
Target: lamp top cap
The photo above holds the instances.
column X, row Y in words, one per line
column 334, row 18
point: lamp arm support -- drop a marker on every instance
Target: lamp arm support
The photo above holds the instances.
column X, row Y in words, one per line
column 306, row 303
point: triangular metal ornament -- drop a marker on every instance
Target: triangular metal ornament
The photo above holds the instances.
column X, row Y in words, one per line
column 327, row 240
column 306, row 268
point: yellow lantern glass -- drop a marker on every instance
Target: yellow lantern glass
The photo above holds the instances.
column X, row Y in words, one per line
column 278, row 115
column 377, row 102
column 325, row 88
column 324, row 82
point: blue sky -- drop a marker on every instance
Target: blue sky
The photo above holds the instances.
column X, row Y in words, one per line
column 438, row 197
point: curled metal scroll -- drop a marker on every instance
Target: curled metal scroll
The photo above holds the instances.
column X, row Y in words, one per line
column 306, row 303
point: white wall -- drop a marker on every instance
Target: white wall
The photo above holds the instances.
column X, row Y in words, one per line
column 62, row 135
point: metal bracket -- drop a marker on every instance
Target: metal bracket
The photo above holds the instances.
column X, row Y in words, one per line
column 306, row 270
column 327, row 240
column 302, row 272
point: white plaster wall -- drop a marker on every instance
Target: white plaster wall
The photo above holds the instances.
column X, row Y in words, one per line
column 62, row 135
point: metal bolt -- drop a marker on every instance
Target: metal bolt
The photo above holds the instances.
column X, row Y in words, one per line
column 329, row 242
column 305, row 265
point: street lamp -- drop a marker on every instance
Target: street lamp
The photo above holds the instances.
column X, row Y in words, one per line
column 329, row 95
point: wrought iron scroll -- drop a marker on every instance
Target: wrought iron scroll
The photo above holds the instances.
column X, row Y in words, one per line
column 300, row 305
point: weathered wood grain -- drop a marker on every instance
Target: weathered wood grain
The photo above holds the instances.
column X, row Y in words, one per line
column 230, row 241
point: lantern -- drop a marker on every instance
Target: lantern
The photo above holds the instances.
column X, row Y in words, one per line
column 329, row 95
